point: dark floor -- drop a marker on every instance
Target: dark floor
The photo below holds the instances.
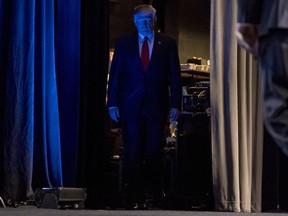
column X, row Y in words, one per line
column 34, row 211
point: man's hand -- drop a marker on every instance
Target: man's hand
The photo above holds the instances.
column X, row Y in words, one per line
column 114, row 113
column 174, row 113
column 247, row 37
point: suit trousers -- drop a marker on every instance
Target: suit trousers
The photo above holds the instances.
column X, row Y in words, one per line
column 143, row 139
column 273, row 59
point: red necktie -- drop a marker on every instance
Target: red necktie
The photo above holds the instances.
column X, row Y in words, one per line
column 145, row 54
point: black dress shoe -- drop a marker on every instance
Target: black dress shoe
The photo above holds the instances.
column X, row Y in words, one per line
column 140, row 206
column 151, row 204
column 135, row 206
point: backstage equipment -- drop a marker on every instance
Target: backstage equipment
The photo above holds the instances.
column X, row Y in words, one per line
column 197, row 99
column 60, row 197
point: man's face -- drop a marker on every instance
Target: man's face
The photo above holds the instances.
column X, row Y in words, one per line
column 144, row 23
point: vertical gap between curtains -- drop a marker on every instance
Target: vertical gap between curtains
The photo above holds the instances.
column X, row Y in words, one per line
column 93, row 156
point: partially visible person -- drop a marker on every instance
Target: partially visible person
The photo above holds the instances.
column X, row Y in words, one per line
column 144, row 84
column 262, row 29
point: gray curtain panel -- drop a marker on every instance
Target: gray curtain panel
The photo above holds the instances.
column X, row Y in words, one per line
column 237, row 126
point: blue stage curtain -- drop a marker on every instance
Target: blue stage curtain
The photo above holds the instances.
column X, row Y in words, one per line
column 67, row 53
column 39, row 93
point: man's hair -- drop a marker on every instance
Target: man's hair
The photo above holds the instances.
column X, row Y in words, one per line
column 146, row 9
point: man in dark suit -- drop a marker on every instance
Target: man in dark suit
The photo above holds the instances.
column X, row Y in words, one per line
column 144, row 82
column 263, row 30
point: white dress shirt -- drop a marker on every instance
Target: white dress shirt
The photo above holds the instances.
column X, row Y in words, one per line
column 150, row 41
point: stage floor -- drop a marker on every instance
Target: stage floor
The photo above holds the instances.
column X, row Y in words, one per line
column 34, row 211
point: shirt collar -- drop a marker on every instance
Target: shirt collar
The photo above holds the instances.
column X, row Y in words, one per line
column 150, row 37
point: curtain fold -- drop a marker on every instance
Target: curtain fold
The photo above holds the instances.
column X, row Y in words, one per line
column 237, row 127
column 35, row 102
column 17, row 88
column 47, row 129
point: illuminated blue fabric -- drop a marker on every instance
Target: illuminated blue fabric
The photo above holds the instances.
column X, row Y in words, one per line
column 33, row 94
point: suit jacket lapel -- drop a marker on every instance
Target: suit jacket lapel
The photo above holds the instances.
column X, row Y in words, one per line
column 135, row 50
column 156, row 47
column 135, row 46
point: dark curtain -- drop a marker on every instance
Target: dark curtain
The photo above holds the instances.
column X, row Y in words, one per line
column 94, row 151
column 39, row 95
column 67, row 61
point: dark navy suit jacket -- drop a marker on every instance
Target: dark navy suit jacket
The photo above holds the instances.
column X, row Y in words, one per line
column 157, row 89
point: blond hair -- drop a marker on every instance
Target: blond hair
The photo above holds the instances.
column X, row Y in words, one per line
column 145, row 9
